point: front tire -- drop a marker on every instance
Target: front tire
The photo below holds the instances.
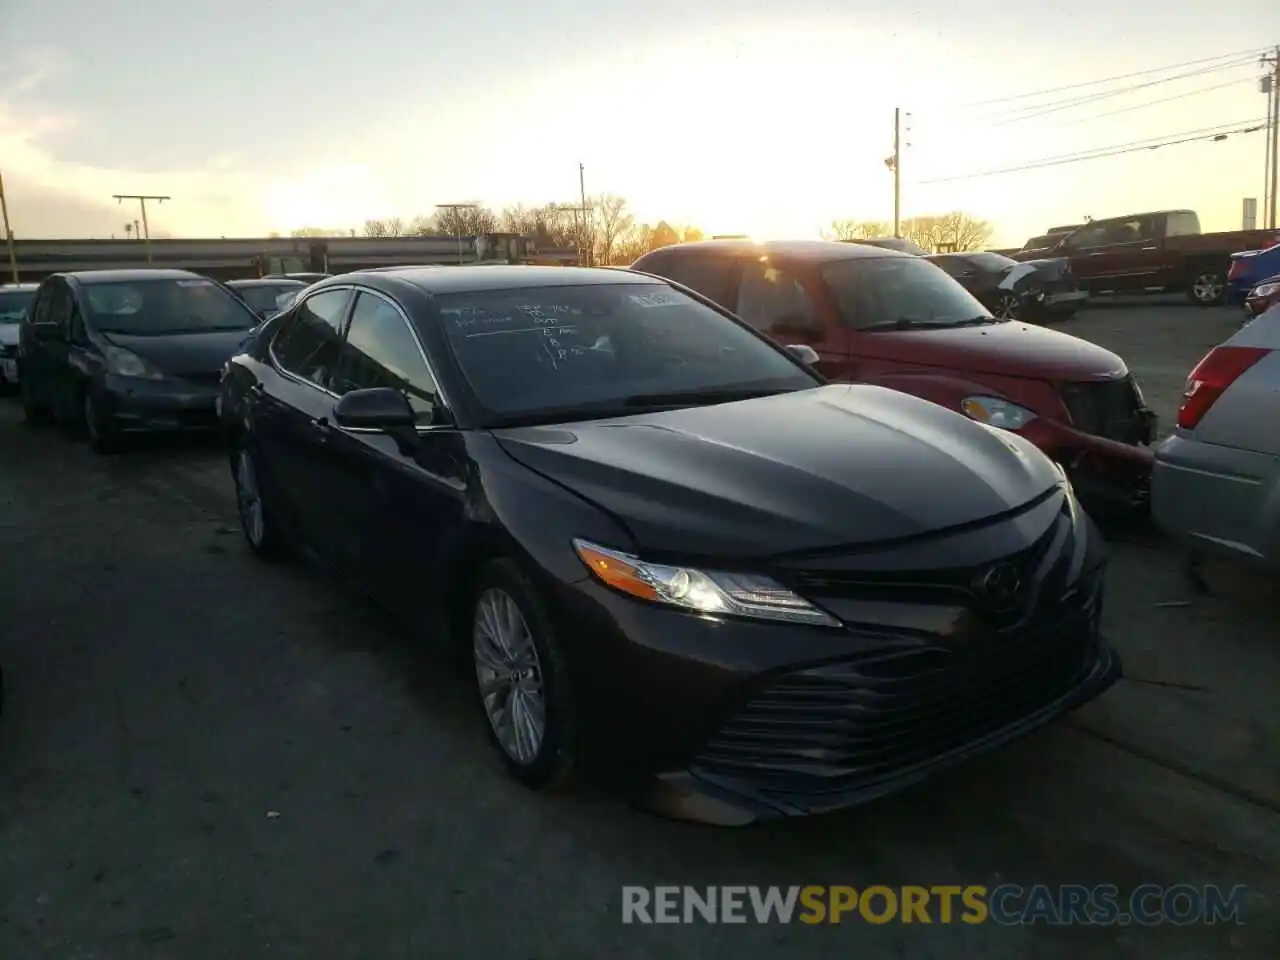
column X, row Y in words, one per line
column 103, row 438
column 522, row 678
column 1008, row 307
column 257, row 520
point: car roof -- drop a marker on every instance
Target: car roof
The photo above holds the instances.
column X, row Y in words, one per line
column 481, row 277
column 816, row 251
column 267, row 282
column 88, row 277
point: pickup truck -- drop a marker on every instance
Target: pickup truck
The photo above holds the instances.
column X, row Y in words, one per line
column 1153, row 253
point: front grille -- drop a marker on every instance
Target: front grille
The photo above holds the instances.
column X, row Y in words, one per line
column 1111, row 409
column 1040, row 570
column 916, row 697
column 849, row 724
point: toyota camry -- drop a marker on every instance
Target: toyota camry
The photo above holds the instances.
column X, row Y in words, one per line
column 665, row 548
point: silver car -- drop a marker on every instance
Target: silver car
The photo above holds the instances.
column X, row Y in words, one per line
column 1216, row 482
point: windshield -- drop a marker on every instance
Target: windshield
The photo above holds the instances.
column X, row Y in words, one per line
column 14, row 303
column 158, row 307
column 899, row 292
column 268, row 298
column 599, row 350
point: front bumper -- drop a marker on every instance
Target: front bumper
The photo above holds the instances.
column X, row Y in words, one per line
column 1102, row 471
column 158, row 406
column 1066, row 302
column 732, row 721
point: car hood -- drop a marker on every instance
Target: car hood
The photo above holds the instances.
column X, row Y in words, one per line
column 184, row 354
column 832, row 466
column 9, row 334
column 1010, row 349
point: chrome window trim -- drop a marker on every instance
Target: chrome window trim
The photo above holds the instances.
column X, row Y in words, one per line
column 280, row 368
column 357, row 290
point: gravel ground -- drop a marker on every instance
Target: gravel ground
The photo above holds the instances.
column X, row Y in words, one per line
column 203, row 757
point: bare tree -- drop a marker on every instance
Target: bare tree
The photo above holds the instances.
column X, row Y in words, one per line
column 376, row 228
column 612, row 222
column 303, row 232
column 856, row 230
column 955, row 229
column 632, row 245
column 395, row 227
column 463, row 221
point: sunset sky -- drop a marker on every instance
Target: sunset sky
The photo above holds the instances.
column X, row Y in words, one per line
column 735, row 116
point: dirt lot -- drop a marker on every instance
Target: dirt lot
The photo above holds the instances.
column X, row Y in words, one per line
column 203, row 757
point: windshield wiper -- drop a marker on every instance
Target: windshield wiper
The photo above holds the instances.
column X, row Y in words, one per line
column 915, row 323
column 696, row 397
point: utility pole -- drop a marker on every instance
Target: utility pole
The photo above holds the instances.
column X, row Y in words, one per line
column 586, row 229
column 142, row 199
column 894, row 163
column 8, row 234
column 1273, row 120
column 457, row 220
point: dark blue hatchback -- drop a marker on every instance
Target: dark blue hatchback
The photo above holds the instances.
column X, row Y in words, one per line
column 1248, row 269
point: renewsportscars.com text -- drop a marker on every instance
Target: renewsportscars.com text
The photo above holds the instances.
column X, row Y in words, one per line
column 1006, row 905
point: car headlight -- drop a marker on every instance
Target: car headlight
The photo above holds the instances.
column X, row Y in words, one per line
column 1265, row 290
column 699, row 591
column 995, row 412
column 124, row 363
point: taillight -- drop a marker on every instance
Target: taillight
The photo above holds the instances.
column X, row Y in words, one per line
column 1220, row 368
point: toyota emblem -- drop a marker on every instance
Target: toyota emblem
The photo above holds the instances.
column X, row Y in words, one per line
column 1000, row 584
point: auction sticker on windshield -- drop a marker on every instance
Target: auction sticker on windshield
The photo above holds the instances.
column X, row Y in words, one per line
column 655, row 300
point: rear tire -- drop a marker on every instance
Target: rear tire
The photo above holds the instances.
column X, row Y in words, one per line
column 257, row 519
column 1207, row 286
column 522, row 679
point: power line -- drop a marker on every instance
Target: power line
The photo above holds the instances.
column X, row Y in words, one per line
column 1252, row 53
column 1153, row 103
column 1041, row 109
column 1188, row 136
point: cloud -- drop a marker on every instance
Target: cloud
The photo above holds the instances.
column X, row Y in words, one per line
column 49, row 196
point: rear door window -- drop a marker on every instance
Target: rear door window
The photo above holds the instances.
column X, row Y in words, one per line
column 309, row 344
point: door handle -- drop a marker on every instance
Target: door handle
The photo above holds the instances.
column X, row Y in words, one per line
column 1100, row 253
column 321, row 425
column 1148, row 249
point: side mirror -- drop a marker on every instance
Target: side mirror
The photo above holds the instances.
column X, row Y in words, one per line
column 804, row 353
column 379, row 408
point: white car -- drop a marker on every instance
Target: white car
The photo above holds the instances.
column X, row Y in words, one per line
column 1216, row 481
column 14, row 300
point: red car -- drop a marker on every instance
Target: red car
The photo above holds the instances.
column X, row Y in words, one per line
column 1263, row 297
column 871, row 315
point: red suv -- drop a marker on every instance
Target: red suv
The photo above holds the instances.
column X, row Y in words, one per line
column 877, row 316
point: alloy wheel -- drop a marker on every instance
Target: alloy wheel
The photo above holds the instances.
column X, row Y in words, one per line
column 1208, row 287
column 1008, row 307
column 249, row 500
column 509, row 673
